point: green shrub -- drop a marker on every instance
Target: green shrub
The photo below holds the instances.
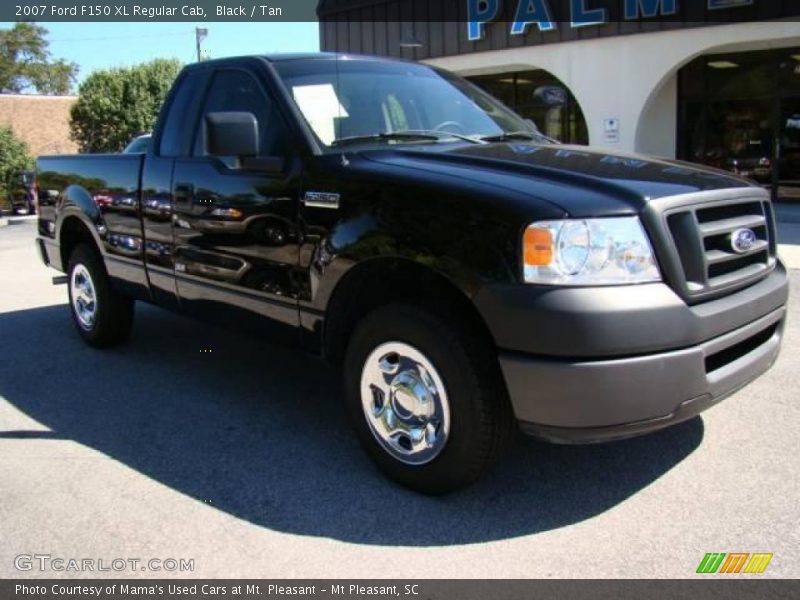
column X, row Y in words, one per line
column 114, row 105
column 14, row 157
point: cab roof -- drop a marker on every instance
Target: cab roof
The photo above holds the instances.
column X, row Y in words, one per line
column 279, row 58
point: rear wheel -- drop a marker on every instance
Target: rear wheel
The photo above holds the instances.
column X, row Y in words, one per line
column 426, row 399
column 102, row 316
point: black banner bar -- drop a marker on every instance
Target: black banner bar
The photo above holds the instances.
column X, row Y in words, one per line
column 715, row 587
column 159, row 11
column 460, row 11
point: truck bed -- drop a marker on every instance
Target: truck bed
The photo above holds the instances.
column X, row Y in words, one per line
column 103, row 187
column 97, row 195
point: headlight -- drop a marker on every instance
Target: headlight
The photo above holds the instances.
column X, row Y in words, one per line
column 584, row 252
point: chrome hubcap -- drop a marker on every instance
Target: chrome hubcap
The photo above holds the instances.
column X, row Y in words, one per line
column 405, row 403
column 83, row 296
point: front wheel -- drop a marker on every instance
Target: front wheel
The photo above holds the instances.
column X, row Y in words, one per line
column 102, row 316
column 426, row 398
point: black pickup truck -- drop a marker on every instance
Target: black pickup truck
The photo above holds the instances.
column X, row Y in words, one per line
column 471, row 277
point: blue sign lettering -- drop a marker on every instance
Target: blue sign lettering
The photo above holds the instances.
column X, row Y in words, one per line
column 649, row 8
column 539, row 13
column 722, row 4
column 583, row 17
column 524, row 148
column 480, row 12
column 571, row 153
column 532, row 11
column 624, row 161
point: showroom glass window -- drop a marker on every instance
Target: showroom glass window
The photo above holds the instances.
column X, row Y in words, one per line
column 741, row 112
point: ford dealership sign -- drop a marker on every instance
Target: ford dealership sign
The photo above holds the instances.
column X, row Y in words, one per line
column 582, row 13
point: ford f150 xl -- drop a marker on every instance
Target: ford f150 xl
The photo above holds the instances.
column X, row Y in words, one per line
column 471, row 277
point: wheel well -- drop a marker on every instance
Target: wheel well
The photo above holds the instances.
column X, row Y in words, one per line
column 388, row 281
column 73, row 233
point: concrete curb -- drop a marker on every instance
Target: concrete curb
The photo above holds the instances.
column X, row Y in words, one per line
column 16, row 219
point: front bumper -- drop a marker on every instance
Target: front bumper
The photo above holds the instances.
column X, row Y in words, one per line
column 583, row 398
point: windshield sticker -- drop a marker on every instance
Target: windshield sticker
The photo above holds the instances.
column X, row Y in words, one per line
column 320, row 106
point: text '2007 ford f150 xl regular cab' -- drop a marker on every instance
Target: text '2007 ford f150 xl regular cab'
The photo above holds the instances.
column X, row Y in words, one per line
column 472, row 277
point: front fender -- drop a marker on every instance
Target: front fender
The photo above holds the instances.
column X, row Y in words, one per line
column 469, row 249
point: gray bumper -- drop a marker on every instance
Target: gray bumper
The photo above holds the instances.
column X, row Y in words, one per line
column 584, row 400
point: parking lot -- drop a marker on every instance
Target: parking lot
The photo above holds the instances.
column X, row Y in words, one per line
column 242, row 460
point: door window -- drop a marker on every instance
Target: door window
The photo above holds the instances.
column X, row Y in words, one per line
column 175, row 139
column 237, row 91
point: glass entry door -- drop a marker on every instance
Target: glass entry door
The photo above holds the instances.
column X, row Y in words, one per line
column 739, row 138
column 741, row 112
column 787, row 150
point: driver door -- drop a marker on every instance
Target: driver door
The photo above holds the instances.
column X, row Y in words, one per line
column 235, row 228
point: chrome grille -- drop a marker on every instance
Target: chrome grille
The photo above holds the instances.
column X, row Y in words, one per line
column 702, row 236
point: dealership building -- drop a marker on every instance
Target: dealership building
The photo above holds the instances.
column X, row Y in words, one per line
column 708, row 81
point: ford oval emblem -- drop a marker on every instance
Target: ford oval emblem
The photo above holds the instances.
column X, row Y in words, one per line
column 743, row 240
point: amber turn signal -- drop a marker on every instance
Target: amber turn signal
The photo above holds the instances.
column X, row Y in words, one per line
column 538, row 244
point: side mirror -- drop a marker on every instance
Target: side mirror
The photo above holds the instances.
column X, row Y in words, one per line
column 231, row 134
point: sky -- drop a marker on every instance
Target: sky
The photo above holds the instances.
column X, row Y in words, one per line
column 101, row 45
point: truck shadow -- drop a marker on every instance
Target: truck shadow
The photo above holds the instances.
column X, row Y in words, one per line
column 257, row 431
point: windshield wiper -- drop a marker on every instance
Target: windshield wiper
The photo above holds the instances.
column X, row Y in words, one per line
column 518, row 135
column 444, row 135
column 425, row 135
column 386, row 136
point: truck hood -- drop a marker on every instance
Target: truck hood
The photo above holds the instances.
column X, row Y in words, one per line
column 579, row 180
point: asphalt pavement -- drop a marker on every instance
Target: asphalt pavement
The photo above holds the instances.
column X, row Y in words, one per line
column 241, row 460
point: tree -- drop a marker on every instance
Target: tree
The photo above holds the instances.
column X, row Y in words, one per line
column 14, row 157
column 117, row 104
column 26, row 64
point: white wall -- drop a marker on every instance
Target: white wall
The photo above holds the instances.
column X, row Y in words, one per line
column 658, row 123
column 631, row 78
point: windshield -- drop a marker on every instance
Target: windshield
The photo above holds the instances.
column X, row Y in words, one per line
column 371, row 102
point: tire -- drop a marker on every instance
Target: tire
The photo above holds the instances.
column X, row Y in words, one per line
column 453, row 451
column 102, row 317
